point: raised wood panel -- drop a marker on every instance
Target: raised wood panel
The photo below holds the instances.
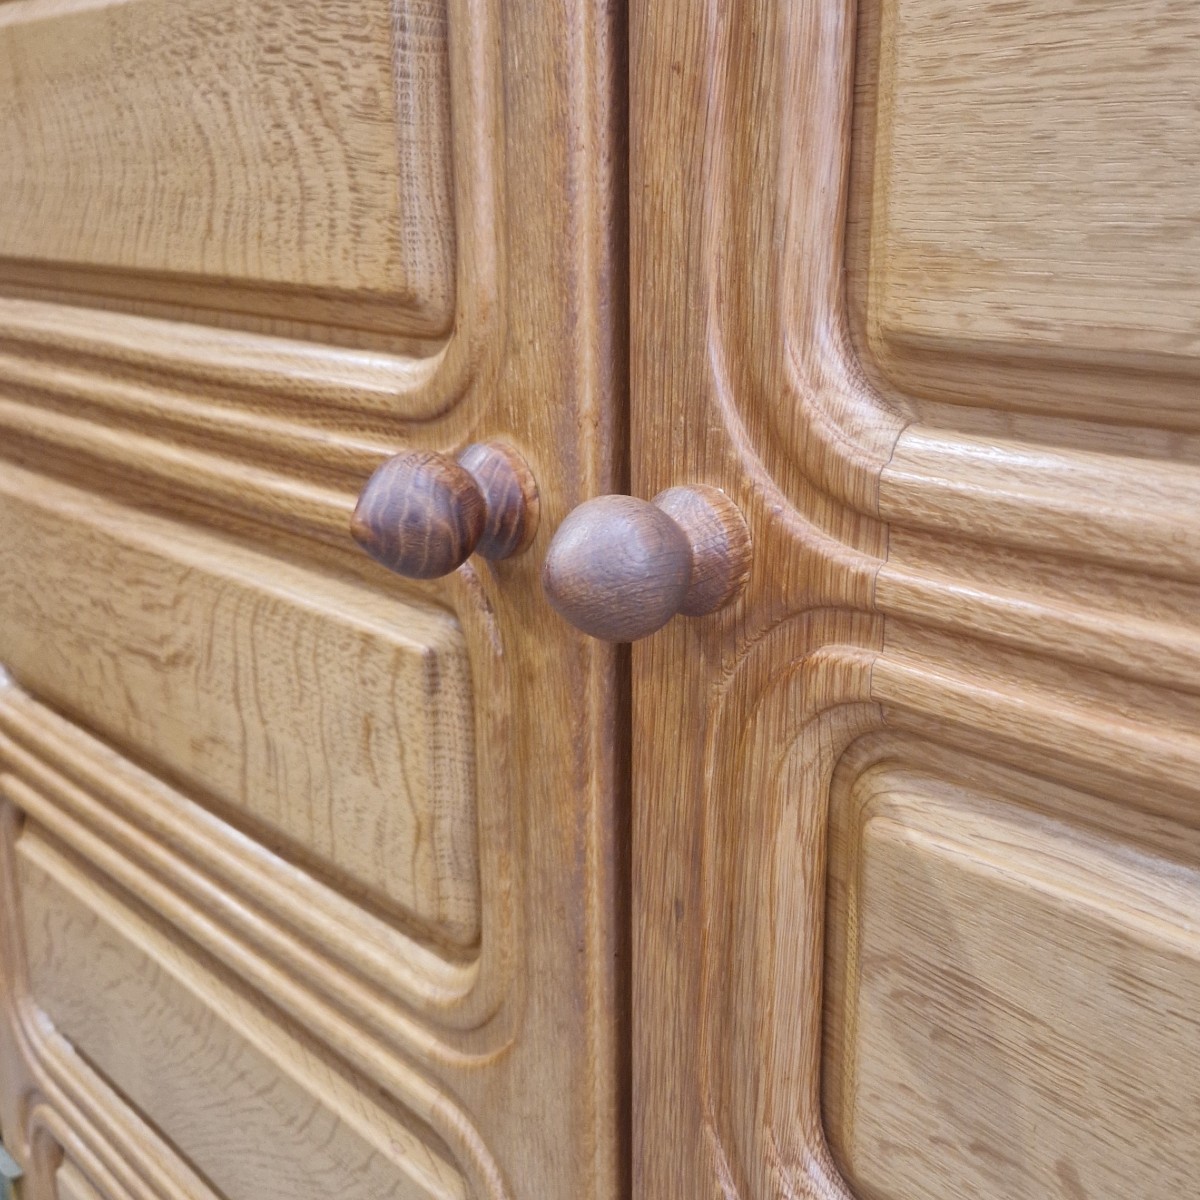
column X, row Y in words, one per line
column 988, row 546
column 251, row 442
column 1026, row 205
column 408, row 1025
column 334, row 724
column 288, row 162
column 1029, row 183
column 1014, row 995
column 179, row 858
column 304, row 356
column 71, row 1184
column 257, row 1110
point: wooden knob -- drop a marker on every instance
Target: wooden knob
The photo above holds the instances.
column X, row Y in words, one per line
column 423, row 514
column 620, row 568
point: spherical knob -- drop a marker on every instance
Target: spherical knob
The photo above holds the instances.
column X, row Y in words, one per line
column 620, row 568
column 423, row 514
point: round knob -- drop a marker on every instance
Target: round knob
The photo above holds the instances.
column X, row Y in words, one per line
column 423, row 514
column 620, row 568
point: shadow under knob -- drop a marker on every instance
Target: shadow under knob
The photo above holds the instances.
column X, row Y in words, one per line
column 619, row 568
column 422, row 514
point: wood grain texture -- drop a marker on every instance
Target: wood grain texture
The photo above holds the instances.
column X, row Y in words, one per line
column 510, row 497
column 273, row 916
column 208, row 1055
column 1013, row 998
column 338, row 728
column 1003, row 575
column 70, row 1184
column 423, row 515
column 743, row 379
column 60, row 1158
column 57, row 1111
column 420, row 515
column 719, row 542
column 353, row 987
column 508, row 1046
column 1071, row 502
column 1033, row 228
column 290, row 161
column 620, row 568
column 1143, row 624
column 285, row 384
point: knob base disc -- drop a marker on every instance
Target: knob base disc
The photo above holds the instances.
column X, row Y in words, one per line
column 511, row 495
column 720, row 542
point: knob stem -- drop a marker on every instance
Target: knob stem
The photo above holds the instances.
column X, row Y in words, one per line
column 510, row 497
column 720, row 542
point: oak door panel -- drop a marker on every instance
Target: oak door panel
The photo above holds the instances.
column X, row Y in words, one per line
column 915, row 819
column 270, row 162
column 1011, row 993
column 357, row 756
column 200, row 977
column 254, row 1109
column 1028, row 206
column 256, row 250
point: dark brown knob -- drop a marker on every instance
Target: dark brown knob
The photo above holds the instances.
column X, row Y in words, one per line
column 423, row 514
column 620, row 568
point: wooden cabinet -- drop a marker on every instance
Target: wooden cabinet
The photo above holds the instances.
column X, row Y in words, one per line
column 916, row 850
column 311, row 874
column 871, row 871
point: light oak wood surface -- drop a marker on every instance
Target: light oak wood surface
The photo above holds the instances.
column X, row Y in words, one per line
column 912, row 285
column 360, row 759
column 875, row 881
column 256, row 1112
column 329, row 885
column 273, row 162
column 1032, row 229
column 70, row 1184
column 1035, row 980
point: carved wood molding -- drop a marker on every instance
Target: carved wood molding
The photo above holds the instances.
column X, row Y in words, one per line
column 243, row 419
column 862, row 443
column 99, row 1129
column 917, row 572
column 264, row 444
column 278, row 373
column 119, row 815
column 785, row 747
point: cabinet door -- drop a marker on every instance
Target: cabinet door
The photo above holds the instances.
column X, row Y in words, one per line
column 308, row 870
column 917, row 841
